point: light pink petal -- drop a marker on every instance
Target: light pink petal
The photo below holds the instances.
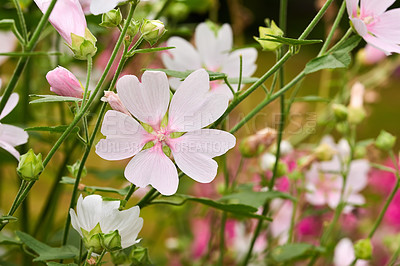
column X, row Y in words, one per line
column 352, row 6
column 344, row 253
column 10, row 105
column 103, row 6
column 231, row 66
column 221, row 88
column 193, row 106
column 374, row 7
column 8, row 43
column 67, row 17
column 387, row 26
column 333, row 198
column 314, row 196
column 213, row 47
column 125, row 136
column 153, row 167
column 13, row 135
column 147, row 101
column 10, row 149
column 360, row 27
column 386, row 47
column 183, row 57
column 357, row 178
column 174, row 83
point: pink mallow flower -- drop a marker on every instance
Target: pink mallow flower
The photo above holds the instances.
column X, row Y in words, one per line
column 113, row 100
column 192, row 107
column 213, row 52
column 67, row 17
column 324, row 181
column 11, row 136
column 372, row 55
column 64, row 83
column 375, row 24
column 344, row 254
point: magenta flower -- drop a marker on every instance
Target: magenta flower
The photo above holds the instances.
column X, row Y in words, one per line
column 11, row 136
column 377, row 26
column 192, row 107
column 64, row 83
column 67, row 17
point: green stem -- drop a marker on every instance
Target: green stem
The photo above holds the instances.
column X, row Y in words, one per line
column 344, row 38
column 98, row 262
column 21, row 21
column 89, row 71
column 128, row 196
column 89, row 255
column 222, row 240
column 394, row 257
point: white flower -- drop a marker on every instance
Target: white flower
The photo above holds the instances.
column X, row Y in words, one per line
column 11, row 136
column 97, row 7
column 267, row 161
column 92, row 210
column 213, row 52
column 344, row 254
column 324, row 181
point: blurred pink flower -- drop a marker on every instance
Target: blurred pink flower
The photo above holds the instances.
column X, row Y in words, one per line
column 324, row 181
column 392, row 215
column 382, row 181
column 8, row 42
column 373, row 55
column 11, row 136
column 192, row 108
column 309, row 226
column 375, row 24
column 344, row 254
column 67, row 17
column 64, row 83
column 201, row 236
column 213, row 52
column 281, row 219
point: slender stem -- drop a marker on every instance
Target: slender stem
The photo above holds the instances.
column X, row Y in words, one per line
column 146, row 199
column 333, row 29
column 89, row 71
column 240, row 72
column 222, row 239
column 21, row 21
column 344, row 38
column 394, row 257
column 98, row 262
column 229, row 85
column 89, row 255
column 128, row 196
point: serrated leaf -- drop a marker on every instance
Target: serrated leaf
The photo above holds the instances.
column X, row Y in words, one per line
column 53, row 98
column 59, row 129
column 295, row 251
column 46, row 252
column 183, row 74
column 329, row 61
column 288, row 41
column 255, row 199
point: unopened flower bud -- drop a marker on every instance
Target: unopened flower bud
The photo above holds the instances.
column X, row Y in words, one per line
column 385, row 141
column 178, row 11
column 267, row 161
column 360, row 152
column 74, row 169
column 340, row 111
column 370, row 55
column 140, row 256
column 285, row 148
column 133, row 28
column 356, row 115
column 363, row 249
column 257, row 143
column 281, row 169
column 272, row 30
column 324, row 152
column 114, row 101
column 30, row 166
column 83, row 47
column 111, row 241
column 118, row 257
column 152, row 30
column 93, row 239
column 64, row 83
column 111, row 19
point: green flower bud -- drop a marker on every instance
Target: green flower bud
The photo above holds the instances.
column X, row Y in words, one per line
column 118, row 257
column 133, row 28
column 360, row 152
column 140, row 256
column 152, row 30
column 385, row 141
column 74, row 169
column 356, row 115
column 30, row 166
column 281, row 169
column 340, row 112
column 363, row 249
column 272, row 30
column 324, row 152
column 250, row 149
column 111, row 19
column 83, row 47
column 178, row 11
column 93, row 239
column 111, row 241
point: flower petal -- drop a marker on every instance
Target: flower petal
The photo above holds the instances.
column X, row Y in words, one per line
column 231, row 66
column 360, row 27
column 386, row 47
column 13, row 135
column 213, row 47
column 10, row 105
column 103, row 6
column 357, row 178
column 147, row 101
column 125, row 136
column 387, row 26
column 75, row 221
column 89, row 211
column 10, row 149
column 153, row 167
column 352, row 6
column 193, row 152
column 183, row 57
column 374, row 7
column 193, row 106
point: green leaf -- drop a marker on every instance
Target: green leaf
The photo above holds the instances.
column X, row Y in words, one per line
column 348, row 45
column 237, row 209
column 7, row 218
column 6, row 240
column 288, row 41
column 330, row 61
column 183, row 74
column 150, row 50
column 311, row 98
column 245, row 80
column 59, row 129
column 46, row 252
column 53, row 98
column 93, row 189
column 23, row 54
column 295, row 251
column 255, row 199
